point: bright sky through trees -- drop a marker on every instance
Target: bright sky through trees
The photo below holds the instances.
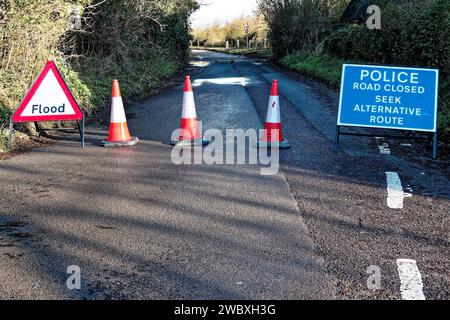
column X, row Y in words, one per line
column 221, row 11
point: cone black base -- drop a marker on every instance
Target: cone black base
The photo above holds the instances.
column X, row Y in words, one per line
column 282, row 145
column 132, row 142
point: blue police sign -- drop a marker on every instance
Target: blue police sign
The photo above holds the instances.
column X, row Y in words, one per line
column 389, row 98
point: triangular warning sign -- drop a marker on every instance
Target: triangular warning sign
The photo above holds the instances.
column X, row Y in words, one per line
column 49, row 99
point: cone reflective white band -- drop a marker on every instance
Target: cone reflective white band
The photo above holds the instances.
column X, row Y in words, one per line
column 117, row 111
column 273, row 111
column 119, row 135
column 189, row 132
column 272, row 134
column 189, row 111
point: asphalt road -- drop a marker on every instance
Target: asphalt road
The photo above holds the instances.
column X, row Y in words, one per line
column 140, row 227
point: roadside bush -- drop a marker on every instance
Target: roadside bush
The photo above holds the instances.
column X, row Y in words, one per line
column 299, row 25
column 29, row 35
column 139, row 42
column 414, row 33
column 217, row 35
column 127, row 30
column 5, row 114
column 444, row 116
column 368, row 48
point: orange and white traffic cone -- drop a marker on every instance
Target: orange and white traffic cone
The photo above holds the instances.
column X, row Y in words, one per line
column 119, row 135
column 189, row 133
column 273, row 136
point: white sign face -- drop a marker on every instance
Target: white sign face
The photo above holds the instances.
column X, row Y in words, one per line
column 49, row 99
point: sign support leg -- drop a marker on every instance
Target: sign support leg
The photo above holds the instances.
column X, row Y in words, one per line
column 10, row 135
column 338, row 133
column 81, row 129
column 38, row 130
column 435, row 145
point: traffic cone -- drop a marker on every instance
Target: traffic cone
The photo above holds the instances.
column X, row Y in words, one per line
column 119, row 135
column 189, row 132
column 273, row 135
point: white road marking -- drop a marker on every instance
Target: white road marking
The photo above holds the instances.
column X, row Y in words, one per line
column 411, row 285
column 396, row 195
column 384, row 149
column 382, row 146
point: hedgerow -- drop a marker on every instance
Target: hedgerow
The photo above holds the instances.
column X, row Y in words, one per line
column 413, row 33
column 139, row 42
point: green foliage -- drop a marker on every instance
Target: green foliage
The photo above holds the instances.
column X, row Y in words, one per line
column 4, row 114
column 129, row 30
column 137, row 80
column 413, row 33
column 29, row 33
column 299, row 25
column 319, row 65
column 342, row 44
column 444, row 116
column 253, row 53
column 139, row 42
column 216, row 35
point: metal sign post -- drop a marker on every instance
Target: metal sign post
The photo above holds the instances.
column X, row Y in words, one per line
column 435, row 146
column 81, row 130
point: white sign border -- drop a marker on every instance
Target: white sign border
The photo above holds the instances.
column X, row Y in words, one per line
column 436, row 106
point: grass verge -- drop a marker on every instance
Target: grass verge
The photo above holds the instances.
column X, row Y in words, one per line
column 319, row 66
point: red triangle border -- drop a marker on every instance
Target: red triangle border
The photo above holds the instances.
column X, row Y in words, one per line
column 17, row 118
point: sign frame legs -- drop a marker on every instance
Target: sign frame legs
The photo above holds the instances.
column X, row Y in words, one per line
column 339, row 133
column 338, row 136
column 10, row 135
column 80, row 125
column 435, row 145
column 436, row 134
